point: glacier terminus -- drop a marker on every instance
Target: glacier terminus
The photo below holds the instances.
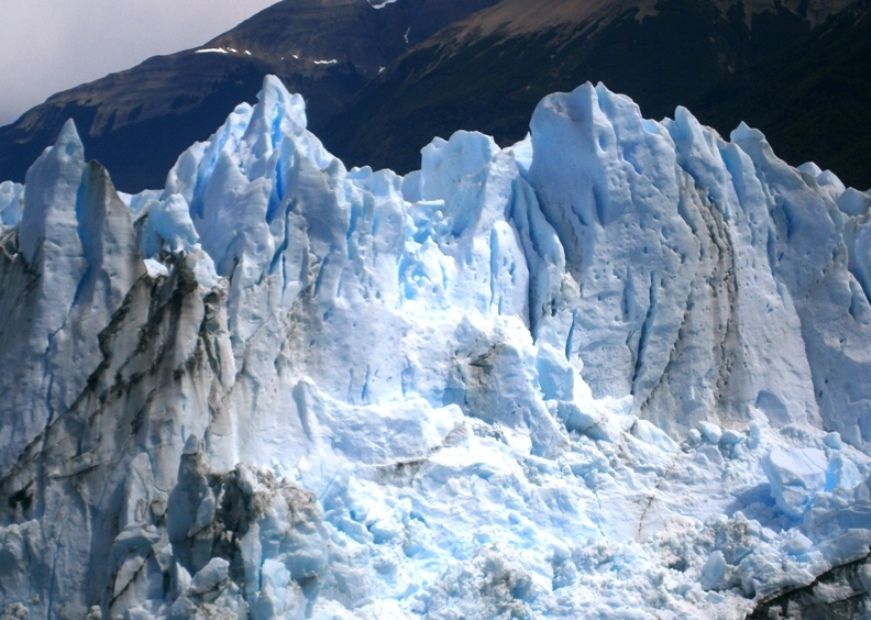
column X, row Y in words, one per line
column 620, row 369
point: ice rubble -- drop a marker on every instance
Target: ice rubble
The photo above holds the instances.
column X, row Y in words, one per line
column 619, row 369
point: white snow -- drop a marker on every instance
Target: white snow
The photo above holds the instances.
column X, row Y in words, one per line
column 212, row 50
column 590, row 375
column 221, row 50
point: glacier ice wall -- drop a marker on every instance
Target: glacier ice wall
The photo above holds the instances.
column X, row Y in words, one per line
column 11, row 203
column 621, row 367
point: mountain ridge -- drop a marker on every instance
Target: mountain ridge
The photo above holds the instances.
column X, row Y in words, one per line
column 686, row 53
column 363, row 77
column 163, row 104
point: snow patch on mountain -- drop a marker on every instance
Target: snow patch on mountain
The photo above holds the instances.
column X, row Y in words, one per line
column 618, row 368
column 212, row 50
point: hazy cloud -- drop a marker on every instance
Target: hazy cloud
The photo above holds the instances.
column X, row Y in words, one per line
column 50, row 45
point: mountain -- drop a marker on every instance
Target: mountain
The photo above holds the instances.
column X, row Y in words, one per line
column 137, row 121
column 796, row 70
column 383, row 81
column 620, row 368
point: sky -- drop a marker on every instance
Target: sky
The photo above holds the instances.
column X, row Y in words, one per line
column 49, row 45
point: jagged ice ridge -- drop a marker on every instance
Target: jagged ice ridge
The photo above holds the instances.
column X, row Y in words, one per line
column 619, row 369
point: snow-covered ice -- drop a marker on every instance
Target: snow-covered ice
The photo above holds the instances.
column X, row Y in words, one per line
column 620, row 369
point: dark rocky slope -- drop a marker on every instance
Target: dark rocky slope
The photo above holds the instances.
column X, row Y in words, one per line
column 138, row 121
column 798, row 75
column 382, row 82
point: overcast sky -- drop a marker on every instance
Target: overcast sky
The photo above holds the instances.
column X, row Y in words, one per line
column 50, row 45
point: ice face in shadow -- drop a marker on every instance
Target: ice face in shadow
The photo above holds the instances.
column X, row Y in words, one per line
column 11, row 203
column 618, row 367
column 69, row 265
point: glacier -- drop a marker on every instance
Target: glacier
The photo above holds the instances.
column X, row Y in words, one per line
column 619, row 369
